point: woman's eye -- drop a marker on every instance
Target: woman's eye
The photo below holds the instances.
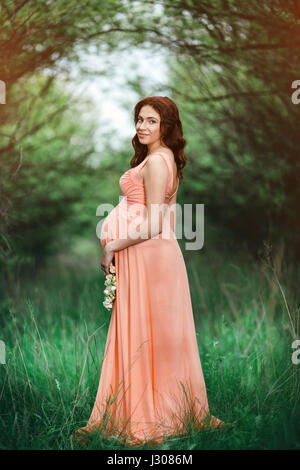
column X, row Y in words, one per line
column 139, row 119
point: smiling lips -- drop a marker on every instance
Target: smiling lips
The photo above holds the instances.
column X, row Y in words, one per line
column 143, row 135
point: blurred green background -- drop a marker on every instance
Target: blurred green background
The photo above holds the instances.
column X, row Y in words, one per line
column 73, row 72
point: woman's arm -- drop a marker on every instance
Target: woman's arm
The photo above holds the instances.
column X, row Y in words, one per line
column 155, row 180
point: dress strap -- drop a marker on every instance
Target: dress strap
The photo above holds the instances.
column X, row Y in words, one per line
column 170, row 173
column 143, row 162
column 170, row 197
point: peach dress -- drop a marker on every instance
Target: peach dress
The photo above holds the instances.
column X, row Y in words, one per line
column 151, row 381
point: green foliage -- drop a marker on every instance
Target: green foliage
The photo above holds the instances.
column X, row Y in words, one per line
column 40, row 191
column 49, row 183
column 36, row 34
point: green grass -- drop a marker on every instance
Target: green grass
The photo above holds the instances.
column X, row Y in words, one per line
column 246, row 317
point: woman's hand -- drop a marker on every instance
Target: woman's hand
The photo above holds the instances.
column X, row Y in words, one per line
column 107, row 258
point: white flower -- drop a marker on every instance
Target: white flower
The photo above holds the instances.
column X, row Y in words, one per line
column 107, row 304
column 110, row 291
column 112, row 268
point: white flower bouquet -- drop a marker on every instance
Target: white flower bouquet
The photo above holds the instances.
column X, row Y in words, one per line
column 111, row 286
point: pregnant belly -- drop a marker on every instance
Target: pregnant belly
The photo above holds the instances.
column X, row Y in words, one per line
column 109, row 228
column 120, row 220
column 125, row 218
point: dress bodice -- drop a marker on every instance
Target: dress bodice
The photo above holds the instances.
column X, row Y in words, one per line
column 132, row 208
column 132, row 183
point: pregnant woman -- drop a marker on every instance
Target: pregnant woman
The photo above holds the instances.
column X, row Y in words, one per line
column 151, row 382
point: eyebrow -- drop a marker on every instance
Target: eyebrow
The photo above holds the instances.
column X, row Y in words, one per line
column 149, row 117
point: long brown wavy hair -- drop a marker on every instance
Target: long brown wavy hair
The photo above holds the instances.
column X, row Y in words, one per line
column 170, row 128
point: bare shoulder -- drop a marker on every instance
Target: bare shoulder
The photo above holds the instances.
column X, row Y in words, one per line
column 156, row 167
column 155, row 164
column 169, row 153
column 166, row 151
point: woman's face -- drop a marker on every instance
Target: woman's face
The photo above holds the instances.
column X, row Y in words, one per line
column 148, row 126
